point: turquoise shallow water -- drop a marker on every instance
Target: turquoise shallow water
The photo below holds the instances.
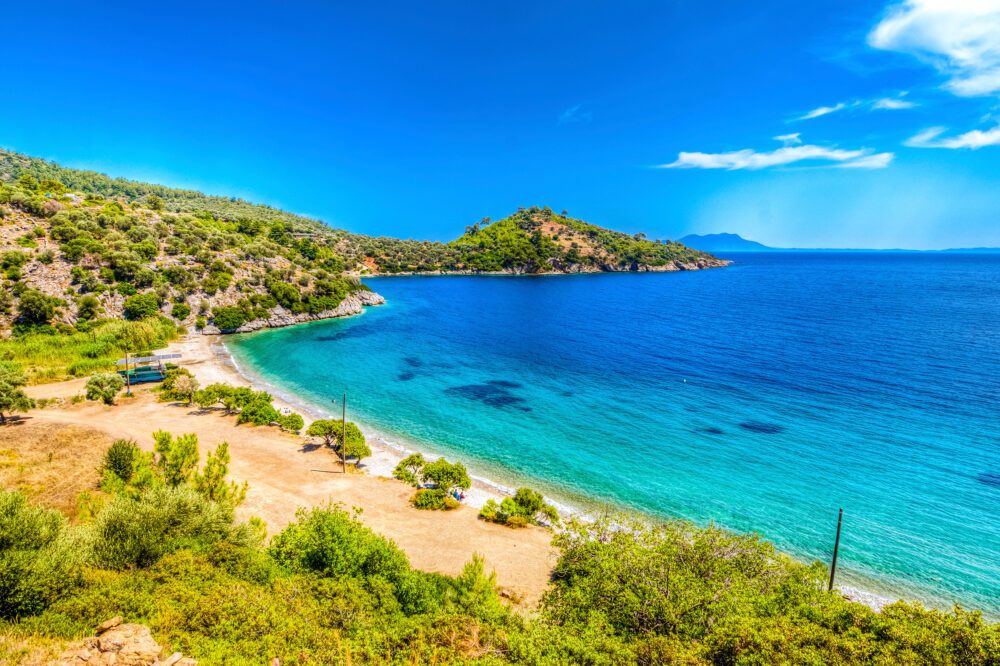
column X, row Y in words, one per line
column 763, row 396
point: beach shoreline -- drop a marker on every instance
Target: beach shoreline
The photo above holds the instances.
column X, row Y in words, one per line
column 211, row 361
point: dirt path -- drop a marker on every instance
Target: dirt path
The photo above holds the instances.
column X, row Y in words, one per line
column 285, row 474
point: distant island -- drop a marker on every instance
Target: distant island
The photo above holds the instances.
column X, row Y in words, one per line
column 725, row 242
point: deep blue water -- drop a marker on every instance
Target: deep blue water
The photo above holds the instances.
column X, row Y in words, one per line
column 763, row 396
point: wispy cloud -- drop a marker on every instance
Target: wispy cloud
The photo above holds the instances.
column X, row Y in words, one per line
column 574, row 114
column 823, row 111
column 931, row 138
column 865, row 158
column 892, row 103
column 788, row 139
column 961, row 38
column 861, row 104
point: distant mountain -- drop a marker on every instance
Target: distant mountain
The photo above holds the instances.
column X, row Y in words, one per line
column 723, row 243
column 713, row 243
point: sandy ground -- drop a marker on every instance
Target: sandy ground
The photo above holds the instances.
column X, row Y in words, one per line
column 285, row 473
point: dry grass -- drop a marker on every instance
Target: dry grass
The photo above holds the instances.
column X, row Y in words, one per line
column 51, row 463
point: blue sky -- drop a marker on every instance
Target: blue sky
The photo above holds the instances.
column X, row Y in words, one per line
column 838, row 124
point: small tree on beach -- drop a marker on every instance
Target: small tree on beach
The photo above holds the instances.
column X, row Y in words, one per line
column 185, row 385
column 446, row 476
column 409, row 468
column 104, row 387
column 332, row 431
column 12, row 398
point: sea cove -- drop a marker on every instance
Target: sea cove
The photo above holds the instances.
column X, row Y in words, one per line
column 761, row 397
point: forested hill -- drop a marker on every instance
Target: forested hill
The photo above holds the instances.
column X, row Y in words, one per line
column 168, row 199
column 532, row 240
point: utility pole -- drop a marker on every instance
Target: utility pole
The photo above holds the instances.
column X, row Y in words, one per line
column 128, row 383
column 836, row 547
column 343, row 439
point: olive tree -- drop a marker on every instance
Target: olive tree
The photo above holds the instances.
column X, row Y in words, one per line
column 104, row 387
column 12, row 398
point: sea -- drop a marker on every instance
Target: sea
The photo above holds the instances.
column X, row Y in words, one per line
column 765, row 397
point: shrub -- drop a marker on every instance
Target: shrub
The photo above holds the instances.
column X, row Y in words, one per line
column 328, row 541
column 229, row 318
column 180, row 311
column 141, row 306
column 137, row 532
column 258, row 411
column 35, row 307
column 291, row 422
column 120, row 459
column 12, row 398
column 105, row 387
column 517, row 521
column 39, row 562
column 87, row 307
column 432, row 498
column 177, row 458
column 527, row 506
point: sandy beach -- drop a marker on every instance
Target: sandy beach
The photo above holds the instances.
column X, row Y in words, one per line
column 285, row 472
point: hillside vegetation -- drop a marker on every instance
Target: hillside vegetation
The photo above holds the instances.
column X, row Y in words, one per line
column 165, row 552
column 532, row 240
column 74, row 259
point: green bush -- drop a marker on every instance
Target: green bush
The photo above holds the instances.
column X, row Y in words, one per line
column 527, row 506
column 229, row 318
column 132, row 533
column 121, row 458
column 35, row 307
column 180, row 311
column 433, row 499
column 141, row 306
column 39, row 561
column 291, row 422
column 105, row 387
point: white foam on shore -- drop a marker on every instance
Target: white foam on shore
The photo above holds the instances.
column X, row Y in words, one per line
column 386, row 454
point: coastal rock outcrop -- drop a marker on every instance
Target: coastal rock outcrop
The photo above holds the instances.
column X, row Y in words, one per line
column 353, row 304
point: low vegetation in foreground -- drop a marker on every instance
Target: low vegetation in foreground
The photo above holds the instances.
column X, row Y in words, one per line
column 165, row 551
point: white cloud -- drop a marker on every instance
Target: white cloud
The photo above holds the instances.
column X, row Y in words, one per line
column 864, row 158
column 822, row 111
column 574, row 115
column 892, row 103
column 788, row 139
column 930, row 138
column 961, row 38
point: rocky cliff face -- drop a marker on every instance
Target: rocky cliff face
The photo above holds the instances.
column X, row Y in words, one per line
column 351, row 305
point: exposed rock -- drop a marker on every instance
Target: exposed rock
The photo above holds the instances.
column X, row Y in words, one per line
column 280, row 316
column 121, row 645
column 109, row 624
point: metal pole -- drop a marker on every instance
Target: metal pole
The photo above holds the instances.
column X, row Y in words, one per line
column 343, row 436
column 128, row 383
column 836, row 547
